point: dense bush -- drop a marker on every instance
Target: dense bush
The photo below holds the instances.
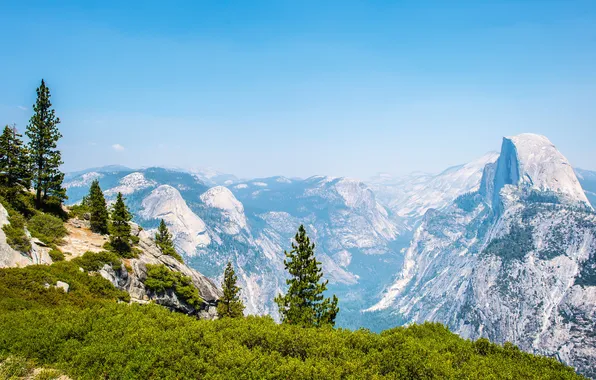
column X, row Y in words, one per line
column 160, row 279
column 87, row 335
column 81, row 210
column 94, row 261
column 30, row 287
column 149, row 342
column 56, row 255
column 47, row 228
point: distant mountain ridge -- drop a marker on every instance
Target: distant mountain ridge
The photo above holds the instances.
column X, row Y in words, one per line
column 370, row 235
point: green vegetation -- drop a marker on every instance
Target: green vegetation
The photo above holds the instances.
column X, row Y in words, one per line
column 81, row 210
column 468, row 201
column 304, row 303
column 98, row 209
column 230, row 305
column 43, row 134
column 92, row 261
column 47, row 228
column 32, row 287
column 86, row 334
column 513, row 246
column 56, row 255
column 163, row 239
column 14, row 367
column 14, row 162
column 120, row 237
column 160, row 279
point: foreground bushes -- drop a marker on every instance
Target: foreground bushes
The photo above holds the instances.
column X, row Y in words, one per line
column 86, row 334
column 143, row 342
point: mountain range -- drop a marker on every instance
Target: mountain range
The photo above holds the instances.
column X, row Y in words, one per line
column 502, row 247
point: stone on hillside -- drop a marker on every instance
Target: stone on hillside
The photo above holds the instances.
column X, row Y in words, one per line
column 63, row 285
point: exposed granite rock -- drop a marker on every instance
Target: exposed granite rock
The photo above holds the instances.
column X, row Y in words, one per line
column 63, row 285
column 9, row 257
column 132, row 279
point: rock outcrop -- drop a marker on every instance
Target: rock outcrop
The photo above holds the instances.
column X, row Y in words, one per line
column 9, row 257
column 133, row 273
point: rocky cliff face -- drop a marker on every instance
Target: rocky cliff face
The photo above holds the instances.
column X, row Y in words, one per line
column 514, row 261
column 132, row 280
column 12, row 258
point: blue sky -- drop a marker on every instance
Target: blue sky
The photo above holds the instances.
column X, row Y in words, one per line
column 259, row 88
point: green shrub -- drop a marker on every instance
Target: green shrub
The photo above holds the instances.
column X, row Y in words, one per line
column 47, row 374
column 47, row 228
column 94, row 261
column 14, row 368
column 108, row 340
column 78, row 211
column 56, row 255
column 160, row 279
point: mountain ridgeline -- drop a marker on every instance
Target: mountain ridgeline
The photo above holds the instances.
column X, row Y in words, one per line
column 500, row 247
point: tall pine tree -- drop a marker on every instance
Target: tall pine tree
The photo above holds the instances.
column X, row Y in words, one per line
column 304, row 304
column 120, row 237
column 230, row 305
column 46, row 159
column 14, row 168
column 163, row 240
column 98, row 209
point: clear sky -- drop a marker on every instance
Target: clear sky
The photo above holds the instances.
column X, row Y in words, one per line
column 296, row 88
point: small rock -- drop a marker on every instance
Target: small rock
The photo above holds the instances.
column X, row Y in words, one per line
column 63, row 285
column 81, row 270
column 47, row 286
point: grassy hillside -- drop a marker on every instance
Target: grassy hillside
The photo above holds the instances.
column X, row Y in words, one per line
column 87, row 333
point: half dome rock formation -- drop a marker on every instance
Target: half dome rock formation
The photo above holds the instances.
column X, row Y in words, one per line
column 514, row 261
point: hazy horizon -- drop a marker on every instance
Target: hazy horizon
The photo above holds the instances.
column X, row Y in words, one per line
column 298, row 89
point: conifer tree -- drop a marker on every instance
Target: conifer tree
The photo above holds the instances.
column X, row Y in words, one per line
column 46, row 159
column 98, row 209
column 14, row 168
column 304, row 304
column 163, row 240
column 230, row 305
column 120, row 237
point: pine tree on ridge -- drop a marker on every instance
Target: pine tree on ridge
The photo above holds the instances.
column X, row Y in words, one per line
column 230, row 305
column 304, row 303
column 98, row 209
column 120, row 232
column 46, row 159
column 163, row 240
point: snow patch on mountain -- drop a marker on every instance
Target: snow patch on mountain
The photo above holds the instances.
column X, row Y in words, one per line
column 129, row 184
column 189, row 231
